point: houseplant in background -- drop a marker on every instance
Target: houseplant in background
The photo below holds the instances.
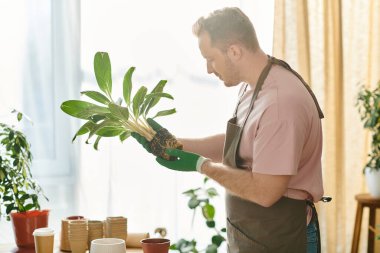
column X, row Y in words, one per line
column 19, row 192
column 110, row 118
column 368, row 103
column 200, row 200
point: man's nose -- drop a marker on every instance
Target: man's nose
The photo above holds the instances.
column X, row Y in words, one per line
column 210, row 70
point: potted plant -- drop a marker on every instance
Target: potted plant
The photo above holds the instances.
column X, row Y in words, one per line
column 110, row 118
column 368, row 103
column 200, row 199
column 19, row 192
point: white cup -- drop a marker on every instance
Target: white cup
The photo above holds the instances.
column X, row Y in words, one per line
column 108, row 245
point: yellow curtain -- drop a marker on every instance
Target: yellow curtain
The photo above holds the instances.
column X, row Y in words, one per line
column 335, row 46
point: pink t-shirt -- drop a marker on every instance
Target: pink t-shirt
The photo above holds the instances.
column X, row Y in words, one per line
column 283, row 134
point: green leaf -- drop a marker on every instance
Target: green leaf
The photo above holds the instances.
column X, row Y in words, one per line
column 125, row 135
column 173, row 247
column 223, row 230
column 127, row 85
column 210, row 223
column 88, row 126
column 102, row 68
column 29, row 206
column 212, row 192
column 118, row 111
column 11, row 135
column 217, row 240
column 159, row 95
column 205, row 180
column 8, row 198
column 106, row 128
column 9, row 208
column 82, row 109
column 212, row 248
column 150, row 97
column 138, row 99
column 208, row 211
column 164, row 113
column 19, row 116
column 190, row 192
column 25, row 197
column 159, row 88
column 2, row 175
column 96, row 118
column 185, row 246
column 15, row 162
column 193, row 203
column 110, row 131
column 97, row 96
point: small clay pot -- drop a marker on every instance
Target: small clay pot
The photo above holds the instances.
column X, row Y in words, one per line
column 155, row 245
column 75, row 217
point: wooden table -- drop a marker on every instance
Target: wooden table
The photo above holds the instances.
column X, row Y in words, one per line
column 11, row 248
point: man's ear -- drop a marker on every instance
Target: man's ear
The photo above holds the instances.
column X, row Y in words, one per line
column 234, row 52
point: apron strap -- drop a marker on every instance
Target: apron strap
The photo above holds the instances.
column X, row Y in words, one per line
column 241, row 93
column 287, row 66
column 259, row 84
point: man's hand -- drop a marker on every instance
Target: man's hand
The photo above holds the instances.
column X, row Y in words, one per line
column 144, row 141
column 185, row 161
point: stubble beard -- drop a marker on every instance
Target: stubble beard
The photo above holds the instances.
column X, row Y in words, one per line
column 232, row 77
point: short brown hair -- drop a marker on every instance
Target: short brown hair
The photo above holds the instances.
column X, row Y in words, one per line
column 227, row 26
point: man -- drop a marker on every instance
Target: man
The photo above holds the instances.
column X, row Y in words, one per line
column 269, row 160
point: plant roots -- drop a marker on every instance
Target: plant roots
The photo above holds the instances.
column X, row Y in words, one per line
column 163, row 140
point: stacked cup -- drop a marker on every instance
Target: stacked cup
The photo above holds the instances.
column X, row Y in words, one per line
column 95, row 230
column 78, row 236
column 43, row 240
column 116, row 227
column 65, row 244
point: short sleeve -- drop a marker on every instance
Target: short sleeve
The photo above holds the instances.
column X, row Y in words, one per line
column 278, row 145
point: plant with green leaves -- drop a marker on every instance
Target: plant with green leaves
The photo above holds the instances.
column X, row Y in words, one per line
column 200, row 199
column 110, row 118
column 18, row 190
column 368, row 103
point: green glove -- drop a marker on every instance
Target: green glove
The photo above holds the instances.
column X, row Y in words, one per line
column 142, row 139
column 186, row 161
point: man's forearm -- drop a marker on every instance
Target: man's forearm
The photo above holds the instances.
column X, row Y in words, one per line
column 264, row 190
column 210, row 147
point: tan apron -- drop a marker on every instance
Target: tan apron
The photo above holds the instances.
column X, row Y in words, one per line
column 252, row 228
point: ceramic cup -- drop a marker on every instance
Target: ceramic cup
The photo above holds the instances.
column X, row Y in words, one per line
column 43, row 240
column 108, row 245
column 155, row 245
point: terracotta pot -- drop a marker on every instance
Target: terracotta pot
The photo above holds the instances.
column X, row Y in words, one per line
column 155, row 245
column 25, row 223
column 75, row 217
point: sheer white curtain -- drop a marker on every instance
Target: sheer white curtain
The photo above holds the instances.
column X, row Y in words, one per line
column 123, row 179
column 40, row 68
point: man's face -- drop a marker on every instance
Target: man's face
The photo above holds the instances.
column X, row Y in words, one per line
column 218, row 62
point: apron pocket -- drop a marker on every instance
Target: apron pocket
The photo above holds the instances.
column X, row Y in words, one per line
column 239, row 242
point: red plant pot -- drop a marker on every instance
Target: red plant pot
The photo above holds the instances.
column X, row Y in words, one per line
column 155, row 245
column 24, row 223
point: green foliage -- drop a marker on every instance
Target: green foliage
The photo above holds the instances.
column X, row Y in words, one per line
column 368, row 103
column 116, row 118
column 18, row 190
column 200, row 199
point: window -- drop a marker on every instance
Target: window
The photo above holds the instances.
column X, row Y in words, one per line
column 48, row 59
